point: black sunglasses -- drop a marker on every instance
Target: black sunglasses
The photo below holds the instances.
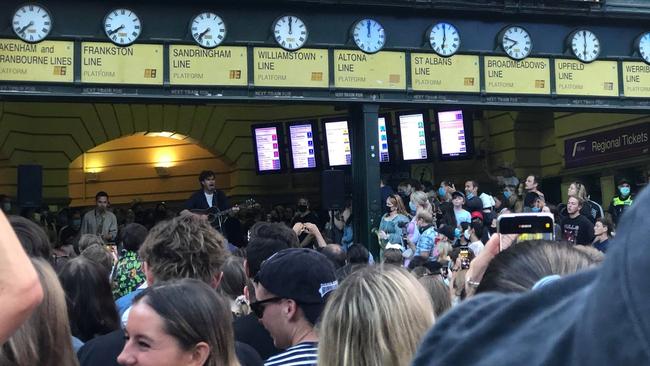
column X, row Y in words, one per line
column 258, row 307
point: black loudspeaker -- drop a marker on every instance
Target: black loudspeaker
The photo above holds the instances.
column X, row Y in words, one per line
column 332, row 189
column 30, row 185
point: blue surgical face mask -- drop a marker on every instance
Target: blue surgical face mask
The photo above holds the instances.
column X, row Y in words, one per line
column 507, row 194
column 457, row 232
column 442, row 192
column 413, row 207
column 469, row 195
column 625, row 191
column 535, row 209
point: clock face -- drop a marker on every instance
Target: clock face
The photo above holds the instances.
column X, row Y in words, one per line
column 208, row 30
column 122, row 26
column 516, row 42
column 290, row 32
column 644, row 46
column 444, row 39
column 32, row 23
column 585, row 45
column 369, row 35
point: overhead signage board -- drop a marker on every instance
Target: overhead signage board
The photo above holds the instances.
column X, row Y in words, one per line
column 305, row 68
column 507, row 76
column 47, row 61
column 598, row 79
column 107, row 63
column 194, row 65
column 358, row 70
column 620, row 143
column 636, row 79
column 430, row 72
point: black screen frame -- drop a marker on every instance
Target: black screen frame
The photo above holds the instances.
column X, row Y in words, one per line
column 468, row 127
column 389, row 136
column 326, row 156
column 427, row 135
column 281, row 148
column 316, row 146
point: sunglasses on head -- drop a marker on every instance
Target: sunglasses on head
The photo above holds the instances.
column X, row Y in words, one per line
column 258, row 307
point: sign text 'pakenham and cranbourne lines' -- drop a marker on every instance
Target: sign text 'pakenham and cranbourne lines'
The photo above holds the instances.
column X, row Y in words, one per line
column 48, row 61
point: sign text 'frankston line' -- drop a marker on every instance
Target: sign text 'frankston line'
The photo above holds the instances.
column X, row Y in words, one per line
column 109, row 64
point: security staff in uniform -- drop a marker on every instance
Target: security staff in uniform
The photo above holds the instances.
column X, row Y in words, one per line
column 620, row 202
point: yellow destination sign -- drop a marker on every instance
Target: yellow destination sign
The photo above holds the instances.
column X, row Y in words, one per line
column 305, row 68
column 507, row 76
column 109, row 64
column 47, row 61
column 636, row 79
column 599, row 78
column 430, row 72
column 193, row 65
column 358, row 70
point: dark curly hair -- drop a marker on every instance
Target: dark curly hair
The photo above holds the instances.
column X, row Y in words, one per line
column 184, row 247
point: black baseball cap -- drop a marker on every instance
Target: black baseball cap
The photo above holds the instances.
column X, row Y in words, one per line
column 300, row 274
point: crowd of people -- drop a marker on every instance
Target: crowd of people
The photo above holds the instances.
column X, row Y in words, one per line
column 293, row 286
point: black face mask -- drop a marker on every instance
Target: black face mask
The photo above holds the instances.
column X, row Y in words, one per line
column 302, row 208
column 423, row 228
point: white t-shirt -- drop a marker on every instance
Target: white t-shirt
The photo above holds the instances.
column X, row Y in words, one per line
column 208, row 197
column 476, row 247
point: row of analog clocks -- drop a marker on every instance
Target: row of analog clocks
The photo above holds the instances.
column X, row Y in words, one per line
column 32, row 23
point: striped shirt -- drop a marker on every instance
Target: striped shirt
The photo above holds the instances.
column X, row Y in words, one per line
column 301, row 354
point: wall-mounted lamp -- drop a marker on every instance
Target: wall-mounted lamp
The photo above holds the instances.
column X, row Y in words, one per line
column 162, row 171
column 92, row 177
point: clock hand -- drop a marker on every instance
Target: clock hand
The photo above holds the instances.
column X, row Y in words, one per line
column 584, row 35
column 203, row 34
column 116, row 30
column 514, row 43
column 368, row 24
column 290, row 21
column 444, row 36
column 23, row 29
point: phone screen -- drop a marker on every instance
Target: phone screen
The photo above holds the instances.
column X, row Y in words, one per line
column 515, row 228
column 464, row 259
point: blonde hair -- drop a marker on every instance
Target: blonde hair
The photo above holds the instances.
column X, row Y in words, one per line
column 377, row 316
column 421, row 199
column 45, row 338
column 581, row 190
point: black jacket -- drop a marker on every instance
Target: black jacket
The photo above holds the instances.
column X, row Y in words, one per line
column 197, row 201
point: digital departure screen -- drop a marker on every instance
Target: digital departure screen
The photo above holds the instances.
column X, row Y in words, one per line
column 453, row 136
column 267, row 149
column 338, row 143
column 384, row 156
column 413, row 138
column 301, row 139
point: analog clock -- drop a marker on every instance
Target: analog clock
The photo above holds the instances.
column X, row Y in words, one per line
column 122, row 26
column 516, row 42
column 32, row 23
column 584, row 45
column 643, row 46
column 208, row 30
column 290, row 32
column 444, row 39
column 369, row 35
